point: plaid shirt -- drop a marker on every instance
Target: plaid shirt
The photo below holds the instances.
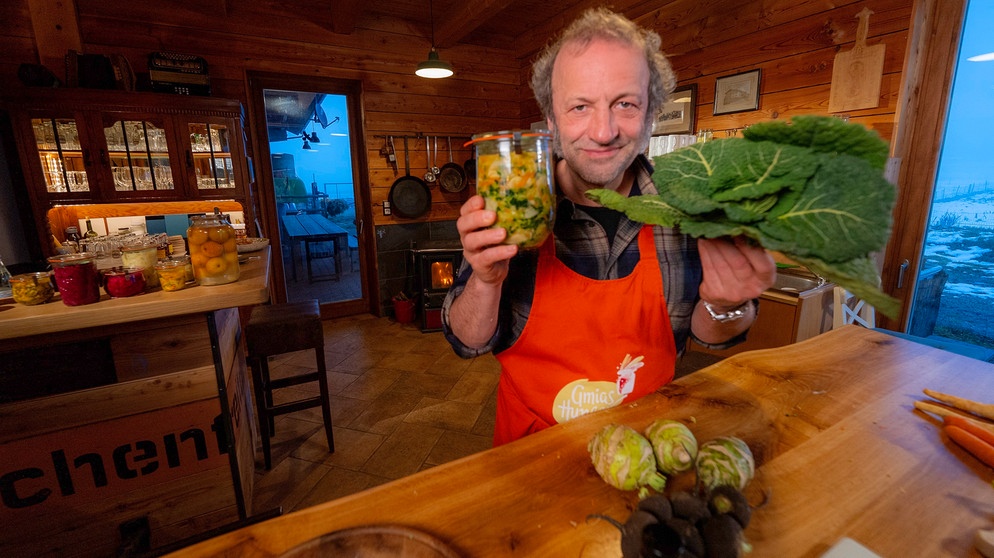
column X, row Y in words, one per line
column 582, row 244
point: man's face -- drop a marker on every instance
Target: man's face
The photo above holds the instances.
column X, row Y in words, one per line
column 599, row 97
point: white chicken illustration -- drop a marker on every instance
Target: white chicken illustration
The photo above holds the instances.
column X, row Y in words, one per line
column 626, row 373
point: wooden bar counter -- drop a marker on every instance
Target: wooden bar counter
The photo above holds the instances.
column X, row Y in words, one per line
column 126, row 417
column 840, row 450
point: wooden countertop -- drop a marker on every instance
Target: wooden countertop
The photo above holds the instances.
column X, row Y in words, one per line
column 840, row 449
column 252, row 287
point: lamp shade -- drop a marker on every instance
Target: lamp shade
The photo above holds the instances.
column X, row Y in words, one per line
column 434, row 67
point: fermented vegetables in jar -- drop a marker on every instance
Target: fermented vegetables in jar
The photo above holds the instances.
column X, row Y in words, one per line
column 142, row 256
column 514, row 177
column 213, row 250
column 30, row 289
column 172, row 274
column 77, row 278
column 122, row 282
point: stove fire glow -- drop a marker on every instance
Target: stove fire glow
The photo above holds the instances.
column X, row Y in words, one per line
column 441, row 275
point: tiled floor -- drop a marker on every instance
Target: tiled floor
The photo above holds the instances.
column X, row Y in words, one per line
column 402, row 402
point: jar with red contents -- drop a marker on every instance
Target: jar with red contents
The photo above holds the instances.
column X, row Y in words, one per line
column 121, row 282
column 77, row 278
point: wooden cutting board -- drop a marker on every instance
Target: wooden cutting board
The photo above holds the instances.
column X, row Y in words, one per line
column 856, row 74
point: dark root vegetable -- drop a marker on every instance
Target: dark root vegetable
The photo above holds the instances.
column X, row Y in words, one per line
column 727, row 500
column 689, row 507
column 658, row 505
column 722, row 535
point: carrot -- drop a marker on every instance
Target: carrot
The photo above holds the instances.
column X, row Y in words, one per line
column 973, row 407
column 980, row 430
column 979, row 448
column 940, row 410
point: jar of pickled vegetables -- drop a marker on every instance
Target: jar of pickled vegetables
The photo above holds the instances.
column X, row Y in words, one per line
column 32, row 288
column 121, row 282
column 172, row 274
column 142, row 256
column 514, row 176
column 213, row 250
column 77, row 278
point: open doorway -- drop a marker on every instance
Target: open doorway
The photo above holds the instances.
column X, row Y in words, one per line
column 309, row 157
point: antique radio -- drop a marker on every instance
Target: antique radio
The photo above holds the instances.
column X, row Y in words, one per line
column 184, row 74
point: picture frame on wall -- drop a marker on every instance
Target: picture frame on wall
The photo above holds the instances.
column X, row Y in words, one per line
column 737, row 93
column 678, row 114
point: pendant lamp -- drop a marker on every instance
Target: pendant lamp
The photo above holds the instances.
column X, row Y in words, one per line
column 434, row 67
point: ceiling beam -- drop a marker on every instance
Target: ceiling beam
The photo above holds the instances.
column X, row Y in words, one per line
column 343, row 15
column 459, row 23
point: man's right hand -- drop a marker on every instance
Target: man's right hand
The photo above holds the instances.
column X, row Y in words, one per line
column 481, row 244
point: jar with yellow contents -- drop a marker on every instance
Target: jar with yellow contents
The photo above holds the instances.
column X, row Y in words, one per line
column 213, row 250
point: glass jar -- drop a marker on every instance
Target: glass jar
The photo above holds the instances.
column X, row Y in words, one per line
column 213, row 250
column 514, row 176
column 121, row 282
column 172, row 274
column 30, row 289
column 77, row 278
column 144, row 257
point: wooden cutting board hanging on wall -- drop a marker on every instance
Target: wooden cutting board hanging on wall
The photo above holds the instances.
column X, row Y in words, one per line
column 857, row 73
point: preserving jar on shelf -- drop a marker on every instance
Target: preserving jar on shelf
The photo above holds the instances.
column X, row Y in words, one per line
column 172, row 274
column 142, row 256
column 213, row 250
column 77, row 278
column 30, row 289
column 514, row 176
column 121, row 282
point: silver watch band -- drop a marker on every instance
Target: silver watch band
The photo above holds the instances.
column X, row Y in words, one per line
column 729, row 316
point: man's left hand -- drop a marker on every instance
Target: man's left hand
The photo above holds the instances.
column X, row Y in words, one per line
column 735, row 270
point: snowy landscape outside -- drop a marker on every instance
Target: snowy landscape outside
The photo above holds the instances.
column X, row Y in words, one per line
column 960, row 236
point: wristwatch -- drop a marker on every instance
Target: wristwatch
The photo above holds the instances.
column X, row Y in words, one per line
column 736, row 313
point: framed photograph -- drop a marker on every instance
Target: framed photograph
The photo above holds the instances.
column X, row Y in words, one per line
column 679, row 114
column 736, row 93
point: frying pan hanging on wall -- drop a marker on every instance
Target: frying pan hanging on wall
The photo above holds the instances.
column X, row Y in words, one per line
column 410, row 197
column 452, row 177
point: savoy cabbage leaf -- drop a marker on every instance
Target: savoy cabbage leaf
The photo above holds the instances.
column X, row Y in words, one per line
column 813, row 190
column 823, row 134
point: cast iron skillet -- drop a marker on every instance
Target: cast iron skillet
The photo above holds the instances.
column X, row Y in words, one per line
column 410, row 197
column 452, row 177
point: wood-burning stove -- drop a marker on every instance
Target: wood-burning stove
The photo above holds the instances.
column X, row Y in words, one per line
column 436, row 264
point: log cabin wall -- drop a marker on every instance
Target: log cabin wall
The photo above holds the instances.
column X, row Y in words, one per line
column 793, row 43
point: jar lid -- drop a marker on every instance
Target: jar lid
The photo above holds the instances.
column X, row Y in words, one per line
column 508, row 134
column 119, row 271
column 33, row 277
column 72, row 259
column 137, row 247
column 169, row 264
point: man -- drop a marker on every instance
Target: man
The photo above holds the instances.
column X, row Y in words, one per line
column 597, row 316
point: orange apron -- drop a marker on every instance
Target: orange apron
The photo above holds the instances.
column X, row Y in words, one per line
column 587, row 345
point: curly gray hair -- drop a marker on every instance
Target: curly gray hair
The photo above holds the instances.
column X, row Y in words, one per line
column 603, row 23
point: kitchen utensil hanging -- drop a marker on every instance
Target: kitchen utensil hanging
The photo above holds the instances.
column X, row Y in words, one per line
column 452, row 176
column 434, row 160
column 410, row 197
column 429, row 175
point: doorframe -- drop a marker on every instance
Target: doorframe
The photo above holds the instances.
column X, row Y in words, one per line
column 921, row 122
column 265, row 193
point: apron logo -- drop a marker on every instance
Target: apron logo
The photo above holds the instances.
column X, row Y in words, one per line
column 580, row 397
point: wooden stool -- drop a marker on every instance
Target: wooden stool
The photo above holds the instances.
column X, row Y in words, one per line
column 284, row 328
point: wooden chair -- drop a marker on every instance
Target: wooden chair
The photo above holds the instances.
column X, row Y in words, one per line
column 849, row 309
column 284, row 328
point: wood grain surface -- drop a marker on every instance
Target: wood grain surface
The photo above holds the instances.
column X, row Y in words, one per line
column 839, row 447
column 21, row 321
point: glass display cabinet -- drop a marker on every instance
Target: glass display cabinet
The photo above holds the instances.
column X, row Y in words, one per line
column 84, row 146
